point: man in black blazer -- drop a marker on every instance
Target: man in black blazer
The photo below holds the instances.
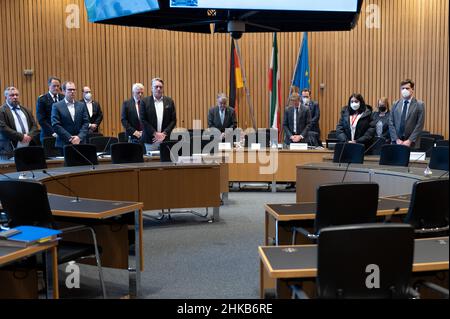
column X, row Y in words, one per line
column 130, row 116
column 222, row 116
column 70, row 119
column 44, row 106
column 296, row 122
column 158, row 116
column 17, row 124
column 314, row 109
column 94, row 110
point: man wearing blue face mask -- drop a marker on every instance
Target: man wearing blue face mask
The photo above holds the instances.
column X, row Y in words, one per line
column 355, row 125
column 407, row 117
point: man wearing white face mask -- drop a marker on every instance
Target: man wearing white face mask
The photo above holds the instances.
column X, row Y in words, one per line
column 407, row 117
column 94, row 110
column 355, row 124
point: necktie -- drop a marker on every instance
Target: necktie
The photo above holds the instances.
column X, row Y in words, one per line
column 222, row 116
column 55, row 98
column 22, row 127
column 139, row 126
column 401, row 131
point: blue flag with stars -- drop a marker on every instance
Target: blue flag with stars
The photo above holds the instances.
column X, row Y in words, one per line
column 301, row 75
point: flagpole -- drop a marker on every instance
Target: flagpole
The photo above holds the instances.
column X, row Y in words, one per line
column 244, row 79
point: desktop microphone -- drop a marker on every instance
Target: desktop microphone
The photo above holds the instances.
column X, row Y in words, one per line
column 172, row 157
column 348, row 164
column 445, row 173
column 84, row 157
column 76, row 200
column 106, row 146
column 342, row 152
column 417, row 159
column 9, row 177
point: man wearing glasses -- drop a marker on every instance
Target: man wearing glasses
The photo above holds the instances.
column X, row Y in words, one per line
column 70, row 118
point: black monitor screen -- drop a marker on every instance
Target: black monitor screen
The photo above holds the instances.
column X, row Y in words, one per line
column 99, row 10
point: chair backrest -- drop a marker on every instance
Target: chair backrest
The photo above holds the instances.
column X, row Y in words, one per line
column 25, row 202
column 436, row 137
column 376, row 145
column 72, row 156
column 165, row 151
column 122, row 136
column 49, row 147
column 439, row 158
column 103, row 143
column 36, row 139
column 442, row 143
column 395, row 155
column 345, row 203
column 330, row 143
column 29, row 158
column 348, row 153
column 93, row 134
column 127, row 153
column 365, row 261
column 429, row 206
column 426, row 145
column 332, row 135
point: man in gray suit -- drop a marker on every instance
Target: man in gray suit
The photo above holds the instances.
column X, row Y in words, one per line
column 70, row 118
column 296, row 122
column 407, row 117
column 17, row 124
column 222, row 116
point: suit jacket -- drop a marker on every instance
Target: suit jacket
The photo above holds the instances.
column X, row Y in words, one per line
column 63, row 125
column 129, row 117
column 303, row 122
column 415, row 120
column 9, row 136
column 385, row 120
column 364, row 131
column 44, row 113
column 229, row 120
column 97, row 114
column 150, row 121
column 315, row 116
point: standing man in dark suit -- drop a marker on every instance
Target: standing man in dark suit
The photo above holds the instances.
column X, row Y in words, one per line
column 94, row 110
column 44, row 106
column 17, row 124
column 313, row 107
column 130, row 116
column 70, row 119
column 296, row 122
column 222, row 116
column 158, row 116
column 407, row 117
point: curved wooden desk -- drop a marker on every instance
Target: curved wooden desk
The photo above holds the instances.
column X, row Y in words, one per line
column 392, row 180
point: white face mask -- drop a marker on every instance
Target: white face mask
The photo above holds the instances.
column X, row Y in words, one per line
column 88, row 96
column 306, row 100
column 354, row 106
column 406, row 94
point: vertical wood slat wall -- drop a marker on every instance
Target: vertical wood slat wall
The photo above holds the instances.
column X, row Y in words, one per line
column 412, row 42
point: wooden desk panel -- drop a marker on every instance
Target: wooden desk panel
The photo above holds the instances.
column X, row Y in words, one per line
column 288, row 161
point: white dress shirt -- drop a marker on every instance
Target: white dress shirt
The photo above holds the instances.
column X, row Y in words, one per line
column 17, row 123
column 71, row 107
column 159, row 107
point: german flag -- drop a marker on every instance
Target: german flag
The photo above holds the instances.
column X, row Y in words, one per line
column 235, row 77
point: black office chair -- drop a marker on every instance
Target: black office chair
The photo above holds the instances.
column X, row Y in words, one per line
column 29, row 158
column 439, row 158
column 394, row 155
column 436, row 137
column 79, row 155
column 426, row 145
column 348, row 153
column 93, row 134
column 122, row 136
column 342, row 204
column 49, row 147
column 36, row 139
column 330, row 143
column 370, row 261
column 428, row 208
column 442, row 143
column 377, row 144
column 127, row 153
column 103, row 143
column 35, row 210
column 332, row 135
column 168, row 154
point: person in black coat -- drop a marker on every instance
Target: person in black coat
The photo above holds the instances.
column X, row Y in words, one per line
column 380, row 120
column 130, row 114
column 94, row 110
column 158, row 116
column 355, row 124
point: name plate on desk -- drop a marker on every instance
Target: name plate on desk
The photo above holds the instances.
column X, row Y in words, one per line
column 255, row 146
column 224, row 146
column 298, row 146
column 416, row 156
column 189, row 159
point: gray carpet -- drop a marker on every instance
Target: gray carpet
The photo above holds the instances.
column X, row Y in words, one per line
column 188, row 258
